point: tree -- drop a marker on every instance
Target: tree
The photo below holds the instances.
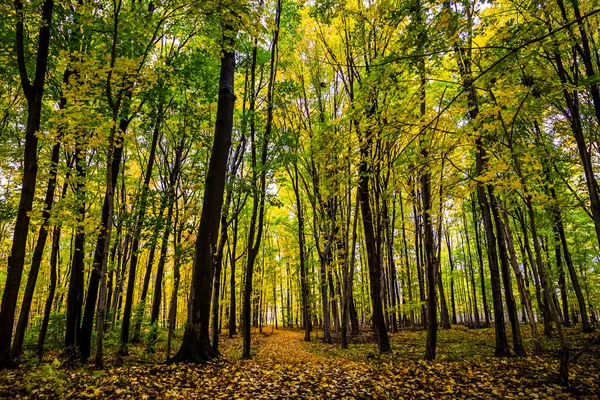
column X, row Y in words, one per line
column 196, row 345
column 34, row 92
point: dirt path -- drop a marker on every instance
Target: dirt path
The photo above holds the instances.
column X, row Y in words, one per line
column 285, row 366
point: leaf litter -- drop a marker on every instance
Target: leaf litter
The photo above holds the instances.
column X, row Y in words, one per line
column 284, row 366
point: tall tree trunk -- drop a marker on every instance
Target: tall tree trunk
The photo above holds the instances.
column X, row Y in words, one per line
column 105, row 233
column 373, row 259
column 42, row 236
column 451, row 261
column 75, row 291
column 232, row 262
column 176, row 279
column 217, row 285
column 102, row 245
column 471, row 272
column 302, row 254
column 511, row 304
column 431, row 266
column 34, row 94
column 561, row 280
column 464, row 63
column 141, row 308
column 348, row 272
column 537, row 346
column 54, row 256
column 420, row 274
column 37, row 256
column 52, row 290
column 407, row 265
column 158, row 283
column 255, row 231
column 195, row 346
column 569, row 261
column 486, row 311
column 170, row 201
column 389, row 227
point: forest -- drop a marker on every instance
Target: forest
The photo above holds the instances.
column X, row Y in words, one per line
column 299, row 198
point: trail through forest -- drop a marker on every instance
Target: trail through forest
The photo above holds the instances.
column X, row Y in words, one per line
column 285, row 366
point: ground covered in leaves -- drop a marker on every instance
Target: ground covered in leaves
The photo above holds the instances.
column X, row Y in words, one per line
column 284, row 366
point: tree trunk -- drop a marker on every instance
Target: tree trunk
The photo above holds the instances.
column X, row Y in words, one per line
column 569, row 261
column 420, row 274
column 75, row 291
column 452, row 300
column 102, row 246
column 511, row 304
column 431, row 267
column 407, row 265
column 302, row 255
column 34, row 94
column 471, row 272
column 561, row 280
column 232, row 261
column 37, row 256
column 349, row 277
column 141, row 307
column 255, row 231
column 105, row 233
column 389, row 227
column 373, row 258
column 195, row 346
column 53, row 278
column 486, row 311
column 464, row 63
column 176, row 279
column 136, row 244
column 170, row 200
column 217, row 285
column 537, row 346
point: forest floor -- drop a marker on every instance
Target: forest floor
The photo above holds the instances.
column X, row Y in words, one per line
column 284, row 366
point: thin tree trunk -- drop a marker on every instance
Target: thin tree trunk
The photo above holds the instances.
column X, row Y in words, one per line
column 75, row 291
column 135, row 247
column 471, row 272
column 569, row 261
column 511, row 304
column 102, row 245
column 176, row 279
column 255, row 231
column 537, row 346
column 37, row 255
column 452, row 301
column 464, row 63
column 105, row 233
column 302, row 255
